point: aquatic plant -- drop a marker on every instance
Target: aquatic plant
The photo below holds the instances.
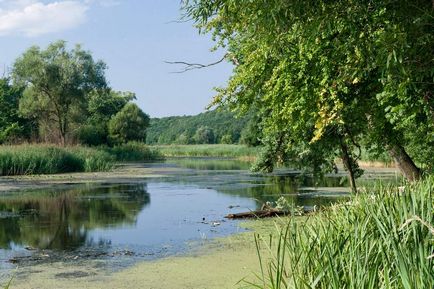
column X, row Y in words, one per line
column 384, row 239
column 216, row 150
column 134, row 151
column 46, row 159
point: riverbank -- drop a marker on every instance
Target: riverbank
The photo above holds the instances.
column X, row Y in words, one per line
column 34, row 159
column 240, row 152
column 216, row 264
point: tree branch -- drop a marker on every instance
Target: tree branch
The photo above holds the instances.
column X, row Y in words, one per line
column 187, row 66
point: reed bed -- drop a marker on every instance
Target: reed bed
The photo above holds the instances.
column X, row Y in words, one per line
column 51, row 159
column 46, row 159
column 211, row 150
column 134, row 151
column 383, row 239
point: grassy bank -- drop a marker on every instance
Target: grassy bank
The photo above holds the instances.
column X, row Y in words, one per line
column 50, row 159
column 215, row 150
column 379, row 240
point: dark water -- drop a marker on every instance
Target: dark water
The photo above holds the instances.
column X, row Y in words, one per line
column 148, row 219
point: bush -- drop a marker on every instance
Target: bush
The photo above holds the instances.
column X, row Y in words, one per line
column 129, row 124
column 134, row 151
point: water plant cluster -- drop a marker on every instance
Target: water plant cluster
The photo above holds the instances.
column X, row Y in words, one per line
column 383, row 239
column 50, row 159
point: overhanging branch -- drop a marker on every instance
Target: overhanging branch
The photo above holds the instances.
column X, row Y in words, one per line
column 187, row 66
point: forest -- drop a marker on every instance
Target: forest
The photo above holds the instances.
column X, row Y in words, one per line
column 211, row 127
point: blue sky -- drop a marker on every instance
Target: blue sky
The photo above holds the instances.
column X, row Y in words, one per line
column 134, row 37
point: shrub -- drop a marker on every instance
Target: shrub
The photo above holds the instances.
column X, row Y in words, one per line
column 134, row 151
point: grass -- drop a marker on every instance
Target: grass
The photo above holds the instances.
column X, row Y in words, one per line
column 46, row 159
column 384, row 239
column 50, row 159
column 134, row 151
column 213, row 150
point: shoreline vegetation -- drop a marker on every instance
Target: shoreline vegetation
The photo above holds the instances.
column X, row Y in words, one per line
column 364, row 243
column 240, row 152
column 31, row 159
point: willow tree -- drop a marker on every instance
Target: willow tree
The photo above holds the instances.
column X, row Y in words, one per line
column 327, row 75
column 57, row 83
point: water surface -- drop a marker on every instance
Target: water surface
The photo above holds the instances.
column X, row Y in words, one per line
column 149, row 218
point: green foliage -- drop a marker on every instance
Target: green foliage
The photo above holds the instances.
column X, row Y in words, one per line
column 181, row 129
column 102, row 106
column 251, row 134
column 226, row 139
column 48, row 159
column 12, row 125
column 35, row 159
column 134, row 151
column 325, row 76
column 57, row 84
column 216, row 150
column 204, row 135
column 129, row 124
column 366, row 243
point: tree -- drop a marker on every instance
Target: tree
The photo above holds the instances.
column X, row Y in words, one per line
column 12, row 125
column 327, row 75
column 57, row 82
column 102, row 106
column 204, row 135
column 129, row 124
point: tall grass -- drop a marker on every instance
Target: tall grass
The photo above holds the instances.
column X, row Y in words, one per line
column 45, row 159
column 215, row 150
column 379, row 240
column 134, row 151
column 49, row 159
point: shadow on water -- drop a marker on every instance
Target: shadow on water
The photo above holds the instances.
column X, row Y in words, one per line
column 61, row 220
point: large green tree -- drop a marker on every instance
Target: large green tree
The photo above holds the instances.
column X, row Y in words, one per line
column 129, row 124
column 326, row 76
column 57, row 83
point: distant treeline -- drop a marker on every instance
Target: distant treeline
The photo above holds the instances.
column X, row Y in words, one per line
column 212, row 127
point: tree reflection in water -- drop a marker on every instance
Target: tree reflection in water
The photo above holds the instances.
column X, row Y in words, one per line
column 61, row 220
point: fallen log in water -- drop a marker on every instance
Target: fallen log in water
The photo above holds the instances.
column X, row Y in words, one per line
column 272, row 212
column 257, row 214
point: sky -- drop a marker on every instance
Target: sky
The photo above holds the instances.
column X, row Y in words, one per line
column 133, row 37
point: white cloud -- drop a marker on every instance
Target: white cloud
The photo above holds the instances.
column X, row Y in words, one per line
column 104, row 3
column 34, row 18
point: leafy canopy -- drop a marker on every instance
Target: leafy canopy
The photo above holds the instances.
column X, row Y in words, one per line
column 326, row 76
column 129, row 124
column 57, row 83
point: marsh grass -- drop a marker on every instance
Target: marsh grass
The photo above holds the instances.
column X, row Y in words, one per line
column 379, row 240
column 45, row 159
column 134, row 151
column 213, row 150
column 50, row 159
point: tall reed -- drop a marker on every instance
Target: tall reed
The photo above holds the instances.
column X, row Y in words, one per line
column 134, row 151
column 46, row 159
column 384, row 239
column 213, row 150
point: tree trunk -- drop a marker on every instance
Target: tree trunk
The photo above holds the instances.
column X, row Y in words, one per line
column 403, row 161
column 346, row 159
